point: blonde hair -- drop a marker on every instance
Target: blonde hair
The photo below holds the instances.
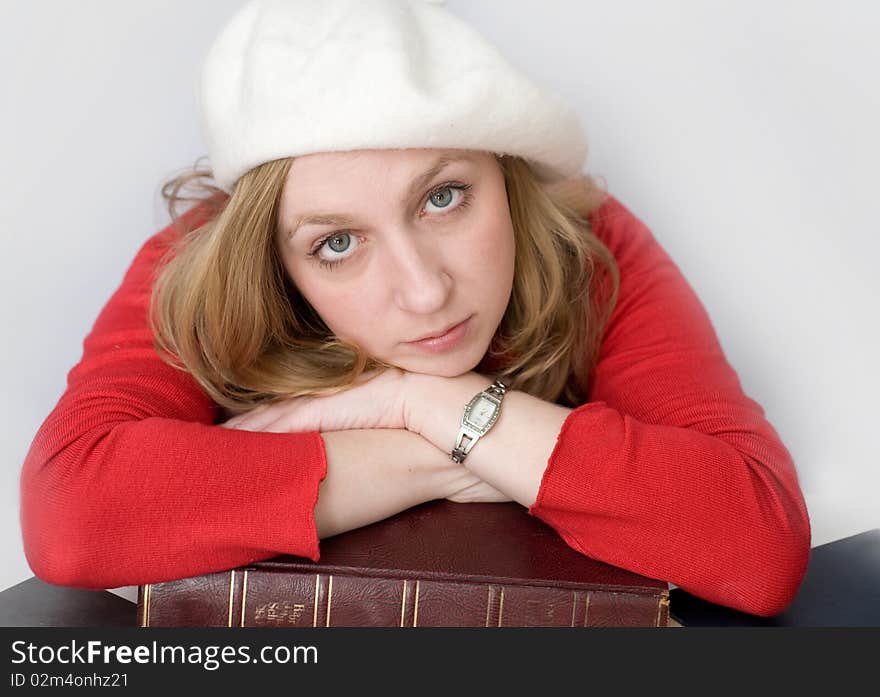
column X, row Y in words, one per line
column 224, row 309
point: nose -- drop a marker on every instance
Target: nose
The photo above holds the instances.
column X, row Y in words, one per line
column 419, row 277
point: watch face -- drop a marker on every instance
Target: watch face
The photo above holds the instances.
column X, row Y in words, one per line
column 482, row 412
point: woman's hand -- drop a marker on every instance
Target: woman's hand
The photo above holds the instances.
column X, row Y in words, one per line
column 377, row 400
column 388, row 398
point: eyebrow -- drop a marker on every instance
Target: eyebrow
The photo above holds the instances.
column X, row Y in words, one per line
column 439, row 165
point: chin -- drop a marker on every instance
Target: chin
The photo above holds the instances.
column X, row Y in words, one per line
column 442, row 366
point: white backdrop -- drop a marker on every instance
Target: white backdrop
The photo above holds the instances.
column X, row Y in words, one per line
column 743, row 133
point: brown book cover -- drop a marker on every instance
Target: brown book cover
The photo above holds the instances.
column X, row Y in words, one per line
column 440, row 564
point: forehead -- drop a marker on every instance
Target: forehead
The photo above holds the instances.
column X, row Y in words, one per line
column 309, row 175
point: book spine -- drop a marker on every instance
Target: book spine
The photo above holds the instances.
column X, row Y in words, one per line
column 257, row 598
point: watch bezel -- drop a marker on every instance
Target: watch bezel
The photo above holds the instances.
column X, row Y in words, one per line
column 465, row 421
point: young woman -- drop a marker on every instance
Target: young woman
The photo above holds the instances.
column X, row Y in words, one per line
column 394, row 225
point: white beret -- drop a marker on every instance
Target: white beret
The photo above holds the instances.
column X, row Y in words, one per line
column 294, row 77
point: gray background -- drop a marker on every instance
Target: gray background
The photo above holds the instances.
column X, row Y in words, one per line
column 743, row 133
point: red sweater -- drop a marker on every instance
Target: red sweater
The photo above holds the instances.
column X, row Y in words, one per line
column 669, row 469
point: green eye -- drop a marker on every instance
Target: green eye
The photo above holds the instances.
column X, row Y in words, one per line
column 339, row 243
column 442, row 198
column 445, row 197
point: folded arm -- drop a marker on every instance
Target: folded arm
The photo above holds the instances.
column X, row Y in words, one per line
column 129, row 480
column 669, row 469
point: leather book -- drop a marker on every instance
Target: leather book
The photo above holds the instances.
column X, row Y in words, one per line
column 437, row 564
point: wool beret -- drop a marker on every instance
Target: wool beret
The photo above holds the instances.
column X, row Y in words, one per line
column 292, row 77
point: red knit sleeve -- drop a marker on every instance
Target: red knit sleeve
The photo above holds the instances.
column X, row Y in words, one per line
column 669, row 469
column 128, row 481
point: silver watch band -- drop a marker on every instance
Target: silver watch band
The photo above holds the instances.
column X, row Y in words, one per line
column 474, row 426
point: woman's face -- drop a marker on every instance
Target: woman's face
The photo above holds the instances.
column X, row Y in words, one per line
column 391, row 246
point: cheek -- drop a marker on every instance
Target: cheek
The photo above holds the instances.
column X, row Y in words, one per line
column 342, row 312
column 346, row 320
column 346, row 312
column 493, row 252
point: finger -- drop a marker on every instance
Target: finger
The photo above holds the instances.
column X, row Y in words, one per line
column 239, row 425
column 298, row 415
column 279, row 425
column 257, row 418
column 293, row 420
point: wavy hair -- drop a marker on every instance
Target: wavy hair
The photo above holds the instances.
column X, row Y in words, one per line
column 224, row 309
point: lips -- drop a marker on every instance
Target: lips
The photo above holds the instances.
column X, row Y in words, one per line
column 449, row 340
column 435, row 335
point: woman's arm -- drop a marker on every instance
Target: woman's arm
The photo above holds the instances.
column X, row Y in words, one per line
column 129, row 481
column 669, row 470
column 373, row 474
column 513, row 455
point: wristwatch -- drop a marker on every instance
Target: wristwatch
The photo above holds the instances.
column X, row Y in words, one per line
column 479, row 416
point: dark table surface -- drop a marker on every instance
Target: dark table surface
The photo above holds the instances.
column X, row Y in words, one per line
column 35, row 603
